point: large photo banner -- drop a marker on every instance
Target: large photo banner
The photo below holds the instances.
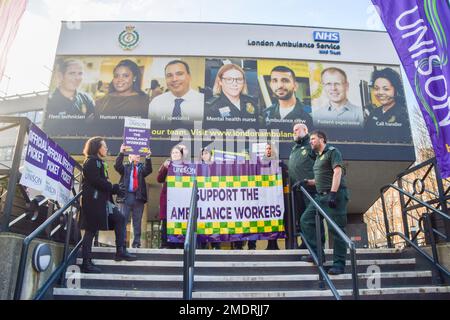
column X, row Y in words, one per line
column 420, row 31
column 218, row 99
column 235, row 202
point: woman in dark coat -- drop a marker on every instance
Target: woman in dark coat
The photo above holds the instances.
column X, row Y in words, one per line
column 98, row 211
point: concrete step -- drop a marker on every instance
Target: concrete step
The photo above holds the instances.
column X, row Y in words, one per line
column 244, row 255
column 245, row 283
column 242, row 267
column 422, row 292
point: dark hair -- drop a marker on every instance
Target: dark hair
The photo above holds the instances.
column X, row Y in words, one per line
column 320, row 134
column 394, row 79
column 284, row 69
column 92, row 146
column 177, row 62
column 154, row 84
column 136, row 75
column 334, row 70
column 203, row 150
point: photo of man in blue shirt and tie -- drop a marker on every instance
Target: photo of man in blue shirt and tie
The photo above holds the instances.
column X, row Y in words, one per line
column 181, row 102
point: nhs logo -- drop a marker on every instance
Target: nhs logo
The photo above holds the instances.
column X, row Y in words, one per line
column 326, row 36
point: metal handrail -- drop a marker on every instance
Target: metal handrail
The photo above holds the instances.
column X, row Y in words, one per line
column 423, row 253
column 442, row 214
column 318, row 257
column 190, row 245
column 37, row 232
column 417, row 167
column 428, row 230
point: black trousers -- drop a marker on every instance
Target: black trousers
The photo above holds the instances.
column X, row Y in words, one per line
column 119, row 226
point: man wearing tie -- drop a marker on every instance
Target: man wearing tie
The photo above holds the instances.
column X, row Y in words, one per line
column 180, row 102
column 132, row 177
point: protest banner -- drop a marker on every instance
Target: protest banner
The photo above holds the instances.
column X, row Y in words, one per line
column 136, row 135
column 34, row 174
column 235, row 202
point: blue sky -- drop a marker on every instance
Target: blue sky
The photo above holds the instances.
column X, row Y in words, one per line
column 34, row 48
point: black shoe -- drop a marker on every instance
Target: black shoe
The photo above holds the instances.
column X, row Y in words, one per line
column 335, row 270
column 122, row 254
column 89, row 262
column 89, row 267
column 136, row 245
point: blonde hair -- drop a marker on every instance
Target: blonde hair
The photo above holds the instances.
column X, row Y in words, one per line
column 217, row 89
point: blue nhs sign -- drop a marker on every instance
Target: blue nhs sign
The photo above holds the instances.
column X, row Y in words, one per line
column 326, row 36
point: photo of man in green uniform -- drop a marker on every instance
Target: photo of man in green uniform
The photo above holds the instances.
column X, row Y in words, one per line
column 331, row 196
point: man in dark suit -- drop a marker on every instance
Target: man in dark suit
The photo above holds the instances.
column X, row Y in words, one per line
column 132, row 177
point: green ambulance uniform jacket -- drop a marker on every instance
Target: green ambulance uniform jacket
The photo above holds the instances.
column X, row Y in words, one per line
column 301, row 161
column 323, row 168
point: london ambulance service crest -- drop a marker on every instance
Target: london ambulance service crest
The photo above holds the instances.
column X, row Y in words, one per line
column 129, row 38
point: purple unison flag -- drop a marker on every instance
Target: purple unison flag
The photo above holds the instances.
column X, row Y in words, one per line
column 419, row 31
column 54, row 165
column 35, row 167
column 136, row 135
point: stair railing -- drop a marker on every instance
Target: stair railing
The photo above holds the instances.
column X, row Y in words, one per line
column 67, row 257
column 190, row 245
column 425, row 226
column 317, row 256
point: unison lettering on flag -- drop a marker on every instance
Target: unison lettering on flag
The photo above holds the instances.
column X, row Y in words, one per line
column 235, row 202
column 420, row 31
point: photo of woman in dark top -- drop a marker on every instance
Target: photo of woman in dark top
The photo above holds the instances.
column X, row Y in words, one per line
column 389, row 121
column 125, row 96
column 230, row 101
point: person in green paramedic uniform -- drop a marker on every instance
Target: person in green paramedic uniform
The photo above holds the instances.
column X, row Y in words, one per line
column 301, row 161
column 332, row 196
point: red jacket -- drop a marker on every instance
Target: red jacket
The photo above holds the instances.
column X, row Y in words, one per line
column 161, row 178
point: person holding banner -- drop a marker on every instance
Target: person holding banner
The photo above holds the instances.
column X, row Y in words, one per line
column 389, row 121
column 230, row 99
column 98, row 211
column 206, row 159
column 125, row 96
column 270, row 159
column 176, row 157
column 132, row 177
